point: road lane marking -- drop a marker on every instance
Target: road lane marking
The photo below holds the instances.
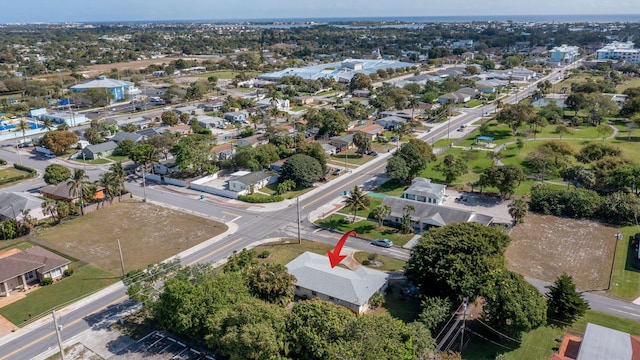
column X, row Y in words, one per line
column 625, row 312
column 214, row 251
column 230, row 213
column 359, row 177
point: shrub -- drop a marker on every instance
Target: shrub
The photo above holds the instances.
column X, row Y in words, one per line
column 3, row 162
column 47, row 281
column 366, row 262
column 264, row 254
column 31, row 171
column 260, row 199
column 68, row 272
column 376, row 300
column 373, row 256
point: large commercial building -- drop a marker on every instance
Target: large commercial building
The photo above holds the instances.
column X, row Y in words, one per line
column 119, row 89
column 622, row 51
column 563, row 55
column 339, row 71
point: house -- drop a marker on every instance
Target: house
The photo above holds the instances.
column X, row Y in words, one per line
column 362, row 93
column 304, row 100
column 62, row 192
column 248, row 183
column 424, row 190
column 342, row 143
column 149, row 132
column 181, row 129
column 599, row 342
column 490, row 86
column 19, row 268
column 252, row 141
column 391, row 122
column 223, row 151
column 123, row 135
column 405, row 114
column 454, row 97
column 277, row 166
column 210, row 122
column 165, row 167
column 350, row 288
column 213, row 105
column 189, row 109
column 98, row 151
column 237, row 116
column 370, row 131
column 13, row 204
column 427, row 215
column 329, row 149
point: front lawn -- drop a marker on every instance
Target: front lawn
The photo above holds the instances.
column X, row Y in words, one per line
column 284, row 253
column 84, row 281
column 9, row 175
column 388, row 264
column 365, row 229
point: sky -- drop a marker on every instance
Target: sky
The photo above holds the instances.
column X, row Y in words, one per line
column 132, row 10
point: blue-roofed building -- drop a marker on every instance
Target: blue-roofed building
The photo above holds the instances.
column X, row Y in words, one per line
column 119, row 89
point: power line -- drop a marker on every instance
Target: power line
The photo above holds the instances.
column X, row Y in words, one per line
column 491, row 341
column 498, row 332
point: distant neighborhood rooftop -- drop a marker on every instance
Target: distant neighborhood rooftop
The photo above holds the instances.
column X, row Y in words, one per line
column 339, row 71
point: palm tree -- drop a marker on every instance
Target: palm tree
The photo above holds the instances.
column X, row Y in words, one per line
column 77, row 186
column 413, row 102
column 401, row 130
column 119, row 176
column 27, row 222
column 48, row 124
column 108, row 182
column 356, row 200
column 381, row 212
column 22, row 126
column 63, row 126
column 518, row 210
column 405, row 226
column 50, row 207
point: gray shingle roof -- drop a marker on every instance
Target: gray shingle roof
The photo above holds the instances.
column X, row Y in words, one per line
column 28, row 260
column 12, row 204
column 422, row 186
column 253, row 178
column 431, row 213
column 122, row 135
column 102, row 82
column 314, row 272
column 600, row 342
column 102, row 147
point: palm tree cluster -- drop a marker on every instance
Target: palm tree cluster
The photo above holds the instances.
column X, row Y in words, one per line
column 112, row 182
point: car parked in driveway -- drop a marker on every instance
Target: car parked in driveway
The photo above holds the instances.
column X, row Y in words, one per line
column 386, row 243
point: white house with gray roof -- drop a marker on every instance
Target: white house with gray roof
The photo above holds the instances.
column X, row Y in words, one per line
column 427, row 215
column 98, row 151
column 252, row 181
column 424, row 190
column 350, row 288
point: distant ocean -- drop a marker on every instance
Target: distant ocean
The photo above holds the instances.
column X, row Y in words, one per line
column 604, row 18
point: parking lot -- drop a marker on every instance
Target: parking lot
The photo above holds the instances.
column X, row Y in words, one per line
column 159, row 346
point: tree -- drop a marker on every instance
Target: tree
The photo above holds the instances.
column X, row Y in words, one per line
column 59, row 141
column 285, row 186
column 315, row 326
column 435, row 312
column 451, row 167
column 564, row 302
column 55, row 174
column 380, row 213
column 315, row 150
column 595, row 151
column 93, row 135
column 506, row 178
column 439, row 264
column 604, row 131
column 301, row 169
column 119, row 176
column 405, row 221
column 194, row 152
column 356, row 200
column 125, row 146
column 359, row 81
column 562, row 130
column 362, row 142
column 78, row 186
column 397, row 168
column 516, row 115
column 170, row 118
column 576, row 102
column 108, row 181
column 144, row 155
column 271, row 283
column 518, row 210
column 513, row 305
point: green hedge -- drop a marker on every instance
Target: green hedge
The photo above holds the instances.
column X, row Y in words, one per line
column 3, row 162
column 260, row 199
column 32, row 172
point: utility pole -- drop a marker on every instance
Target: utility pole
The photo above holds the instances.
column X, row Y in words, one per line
column 464, row 318
column 298, row 209
column 122, row 259
column 58, row 328
column 144, row 185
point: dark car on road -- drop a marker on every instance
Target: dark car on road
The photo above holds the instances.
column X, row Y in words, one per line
column 382, row 243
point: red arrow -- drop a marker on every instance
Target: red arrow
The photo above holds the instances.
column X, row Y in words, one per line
column 334, row 256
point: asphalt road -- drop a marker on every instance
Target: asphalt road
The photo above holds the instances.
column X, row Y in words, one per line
column 252, row 226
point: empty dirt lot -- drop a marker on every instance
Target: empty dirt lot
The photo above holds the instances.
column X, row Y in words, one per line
column 148, row 234
column 545, row 246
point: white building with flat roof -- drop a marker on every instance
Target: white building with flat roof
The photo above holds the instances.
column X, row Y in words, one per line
column 623, row 51
column 563, row 55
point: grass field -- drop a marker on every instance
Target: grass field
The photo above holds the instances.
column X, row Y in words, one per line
column 365, row 229
column 540, row 343
column 147, row 233
column 625, row 281
column 85, row 280
column 388, row 264
column 9, row 175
